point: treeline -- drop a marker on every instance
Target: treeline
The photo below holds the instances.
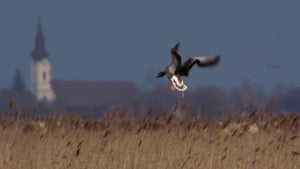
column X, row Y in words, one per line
column 159, row 98
column 247, row 98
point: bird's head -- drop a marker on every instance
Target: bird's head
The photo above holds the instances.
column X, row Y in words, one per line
column 178, row 83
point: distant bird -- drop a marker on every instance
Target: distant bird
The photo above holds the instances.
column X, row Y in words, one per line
column 272, row 67
column 176, row 70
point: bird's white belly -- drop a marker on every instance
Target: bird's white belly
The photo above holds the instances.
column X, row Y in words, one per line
column 179, row 85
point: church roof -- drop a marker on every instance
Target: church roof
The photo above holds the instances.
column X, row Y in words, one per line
column 76, row 93
column 39, row 51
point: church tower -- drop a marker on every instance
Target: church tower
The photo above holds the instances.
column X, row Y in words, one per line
column 41, row 69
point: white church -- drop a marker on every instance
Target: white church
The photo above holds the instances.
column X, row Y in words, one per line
column 41, row 69
column 73, row 94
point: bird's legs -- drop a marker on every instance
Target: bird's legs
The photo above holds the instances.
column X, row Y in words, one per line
column 173, row 88
column 182, row 93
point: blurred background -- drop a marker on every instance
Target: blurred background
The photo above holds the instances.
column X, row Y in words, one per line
column 105, row 55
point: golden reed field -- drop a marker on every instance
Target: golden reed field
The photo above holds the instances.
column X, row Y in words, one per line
column 173, row 140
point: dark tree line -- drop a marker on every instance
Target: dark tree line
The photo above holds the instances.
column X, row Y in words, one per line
column 246, row 97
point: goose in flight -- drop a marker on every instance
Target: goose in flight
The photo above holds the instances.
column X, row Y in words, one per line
column 176, row 69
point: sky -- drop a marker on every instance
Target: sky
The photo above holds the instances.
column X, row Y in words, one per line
column 131, row 40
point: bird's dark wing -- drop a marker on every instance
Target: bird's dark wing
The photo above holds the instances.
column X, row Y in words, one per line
column 176, row 47
column 202, row 61
column 160, row 74
column 176, row 58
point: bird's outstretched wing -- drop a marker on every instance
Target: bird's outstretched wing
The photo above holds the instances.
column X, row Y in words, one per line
column 176, row 58
column 160, row 74
column 202, row 61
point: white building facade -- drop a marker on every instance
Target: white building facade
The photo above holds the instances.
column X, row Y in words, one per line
column 41, row 69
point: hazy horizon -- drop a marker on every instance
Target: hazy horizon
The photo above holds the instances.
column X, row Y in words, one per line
column 131, row 40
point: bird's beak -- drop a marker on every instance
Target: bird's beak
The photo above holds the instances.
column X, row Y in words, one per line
column 172, row 87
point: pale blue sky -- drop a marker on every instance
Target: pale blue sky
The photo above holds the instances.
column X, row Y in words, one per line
column 128, row 40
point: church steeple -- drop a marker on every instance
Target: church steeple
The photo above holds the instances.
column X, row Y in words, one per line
column 39, row 51
column 41, row 69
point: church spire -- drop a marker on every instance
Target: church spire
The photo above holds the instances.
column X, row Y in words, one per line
column 39, row 51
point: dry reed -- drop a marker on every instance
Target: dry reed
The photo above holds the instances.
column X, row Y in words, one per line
column 120, row 140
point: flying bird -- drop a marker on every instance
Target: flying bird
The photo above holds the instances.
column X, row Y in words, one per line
column 272, row 67
column 176, row 69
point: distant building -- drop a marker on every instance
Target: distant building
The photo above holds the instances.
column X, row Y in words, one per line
column 94, row 96
column 75, row 95
column 41, row 69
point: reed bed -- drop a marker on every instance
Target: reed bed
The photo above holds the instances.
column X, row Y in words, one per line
column 120, row 140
